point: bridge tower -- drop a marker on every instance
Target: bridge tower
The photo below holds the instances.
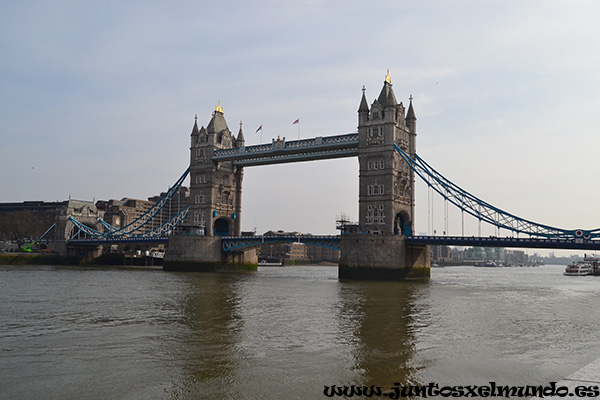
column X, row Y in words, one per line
column 215, row 187
column 386, row 194
column 386, row 181
column 85, row 212
column 215, row 204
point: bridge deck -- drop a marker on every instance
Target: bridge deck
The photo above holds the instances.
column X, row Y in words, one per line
column 281, row 151
column 492, row 241
column 231, row 243
column 119, row 240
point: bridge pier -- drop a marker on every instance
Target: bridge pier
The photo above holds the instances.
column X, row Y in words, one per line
column 382, row 257
column 63, row 249
column 203, row 253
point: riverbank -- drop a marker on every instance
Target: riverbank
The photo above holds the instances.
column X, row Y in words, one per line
column 114, row 259
column 38, row 259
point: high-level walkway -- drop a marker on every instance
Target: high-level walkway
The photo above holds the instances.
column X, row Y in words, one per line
column 282, row 151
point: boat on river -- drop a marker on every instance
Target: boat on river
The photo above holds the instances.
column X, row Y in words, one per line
column 270, row 262
column 489, row 264
column 579, row 268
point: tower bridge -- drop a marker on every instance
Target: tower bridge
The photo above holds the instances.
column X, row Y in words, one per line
column 381, row 246
column 386, row 191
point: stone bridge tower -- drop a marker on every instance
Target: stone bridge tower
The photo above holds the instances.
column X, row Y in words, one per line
column 215, row 188
column 215, row 204
column 85, row 212
column 386, row 195
column 386, row 181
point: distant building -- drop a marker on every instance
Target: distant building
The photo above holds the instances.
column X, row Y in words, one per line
column 318, row 254
column 516, row 257
column 120, row 213
column 483, row 254
column 297, row 250
column 440, row 253
column 180, row 199
column 31, row 219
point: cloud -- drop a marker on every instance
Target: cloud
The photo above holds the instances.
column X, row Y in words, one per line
column 100, row 97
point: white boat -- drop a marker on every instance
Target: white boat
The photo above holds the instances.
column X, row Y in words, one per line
column 264, row 263
column 579, row 268
column 488, row 264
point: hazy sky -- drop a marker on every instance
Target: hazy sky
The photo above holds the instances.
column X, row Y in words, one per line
column 98, row 99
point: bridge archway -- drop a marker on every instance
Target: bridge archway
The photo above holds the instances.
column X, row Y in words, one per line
column 77, row 233
column 222, row 227
column 402, row 225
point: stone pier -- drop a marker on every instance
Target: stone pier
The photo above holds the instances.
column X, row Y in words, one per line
column 382, row 257
column 203, row 253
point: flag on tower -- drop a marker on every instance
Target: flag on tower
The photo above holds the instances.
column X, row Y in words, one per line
column 296, row 121
column 259, row 129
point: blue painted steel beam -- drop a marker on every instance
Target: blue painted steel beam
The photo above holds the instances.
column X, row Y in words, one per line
column 485, row 211
column 119, row 240
column 234, row 243
column 531, row 243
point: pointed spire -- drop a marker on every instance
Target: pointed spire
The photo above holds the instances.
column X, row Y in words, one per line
column 219, row 108
column 364, row 106
column 195, row 128
column 386, row 97
column 240, row 137
column 410, row 114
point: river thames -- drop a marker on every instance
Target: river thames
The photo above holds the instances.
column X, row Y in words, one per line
column 285, row 333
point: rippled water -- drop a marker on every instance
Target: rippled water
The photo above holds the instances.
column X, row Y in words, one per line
column 78, row 333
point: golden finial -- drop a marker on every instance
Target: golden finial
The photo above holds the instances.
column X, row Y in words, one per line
column 387, row 77
column 219, row 108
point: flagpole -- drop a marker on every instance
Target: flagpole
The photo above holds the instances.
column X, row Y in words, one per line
column 260, row 129
column 297, row 122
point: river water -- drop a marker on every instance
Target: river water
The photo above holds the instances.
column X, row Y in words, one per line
column 285, row 333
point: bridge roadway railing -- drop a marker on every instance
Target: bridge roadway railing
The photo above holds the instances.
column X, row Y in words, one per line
column 233, row 243
column 118, row 240
column 493, row 241
column 281, row 151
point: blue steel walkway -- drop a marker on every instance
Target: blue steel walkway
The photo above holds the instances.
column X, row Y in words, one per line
column 492, row 241
column 233, row 243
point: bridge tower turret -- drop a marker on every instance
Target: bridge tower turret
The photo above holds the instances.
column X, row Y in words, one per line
column 215, row 187
column 386, row 181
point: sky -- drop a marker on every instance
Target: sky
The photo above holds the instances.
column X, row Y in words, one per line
column 98, row 100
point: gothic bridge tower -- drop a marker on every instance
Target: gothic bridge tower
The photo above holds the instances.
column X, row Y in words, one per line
column 386, row 181
column 215, row 187
column 386, row 195
column 215, row 204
